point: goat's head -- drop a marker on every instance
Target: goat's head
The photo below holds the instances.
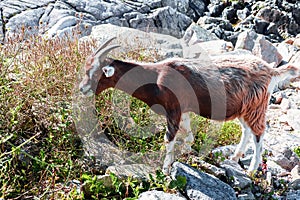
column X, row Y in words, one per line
column 98, row 70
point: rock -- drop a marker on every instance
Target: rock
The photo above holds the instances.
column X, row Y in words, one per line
column 295, row 185
column 159, row 195
column 216, row 9
column 243, row 14
column 164, row 20
column 293, row 195
column 246, row 195
column 225, row 151
column 233, row 170
column 179, row 5
column 197, row 9
column 293, row 118
column 138, row 171
column 297, row 41
column 129, row 39
column 281, row 19
column 61, row 17
column 274, row 168
column 69, row 26
column 296, row 13
column 210, row 22
column 295, row 173
column 216, row 47
column 288, row 51
column 261, row 25
column 209, row 168
column 272, row 29
column 287, row 159
column 195, row 33
column 201, row 185
column 295, row 59
column 229, row 14
column 285, row 103
column 206, row 49
column 259, row 46
column 25, row 23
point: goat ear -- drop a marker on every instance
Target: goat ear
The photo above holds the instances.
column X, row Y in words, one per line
column 108, row 71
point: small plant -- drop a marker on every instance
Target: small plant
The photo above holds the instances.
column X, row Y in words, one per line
column 297, row 151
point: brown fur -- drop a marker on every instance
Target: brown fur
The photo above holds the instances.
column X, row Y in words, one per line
column 222, row 88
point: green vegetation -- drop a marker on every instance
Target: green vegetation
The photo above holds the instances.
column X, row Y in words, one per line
column 297, row 151
column 40, row 151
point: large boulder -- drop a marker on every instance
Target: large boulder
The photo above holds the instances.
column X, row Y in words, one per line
column 201, row 185
column 58, row 18
column 130, row 39
column 259, row 46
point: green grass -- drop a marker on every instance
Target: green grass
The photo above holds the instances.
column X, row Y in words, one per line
column 40, row 149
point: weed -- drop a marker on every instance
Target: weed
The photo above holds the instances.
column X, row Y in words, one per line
column 297, row 151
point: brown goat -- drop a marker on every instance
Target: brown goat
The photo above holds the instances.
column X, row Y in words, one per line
column 222, row 88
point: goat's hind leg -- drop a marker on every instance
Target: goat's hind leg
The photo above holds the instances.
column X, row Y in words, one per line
column 256, row 159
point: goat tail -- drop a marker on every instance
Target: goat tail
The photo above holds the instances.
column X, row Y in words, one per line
column 287, row 74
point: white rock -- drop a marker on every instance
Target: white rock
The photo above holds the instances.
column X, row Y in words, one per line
column 159, row 195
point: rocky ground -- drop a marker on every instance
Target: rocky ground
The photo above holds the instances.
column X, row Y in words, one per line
column 193, row 28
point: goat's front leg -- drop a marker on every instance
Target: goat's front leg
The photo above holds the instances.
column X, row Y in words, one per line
column 170, row 139
column 241, row 147
column 185, row 126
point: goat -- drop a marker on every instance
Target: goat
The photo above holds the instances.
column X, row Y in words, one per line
column 222, row 88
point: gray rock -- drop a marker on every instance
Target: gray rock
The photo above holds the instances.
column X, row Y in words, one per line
column 129, row 39
column 195, row 33
column 274, row 168
column 293, row 195
column 295, row 185
column 239, row 177
column 197, row 9
column 138, row 171
column 229, row 14
column 159, row 195
column 226, row 151
column 57, row 18
column 246, row 195
column 259, row 46
column 282, row 19
column 216, row 9
column 164, row 20
column 201, row 185
column 209, row 168
column 215, row 47
column 296, row 13
column 26, row 22
column 261, row 25
column 287, row 159
column 243, row 14
column 180, row 5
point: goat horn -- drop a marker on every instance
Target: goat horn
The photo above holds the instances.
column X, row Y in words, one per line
column 104, row 44
column 103, row 53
